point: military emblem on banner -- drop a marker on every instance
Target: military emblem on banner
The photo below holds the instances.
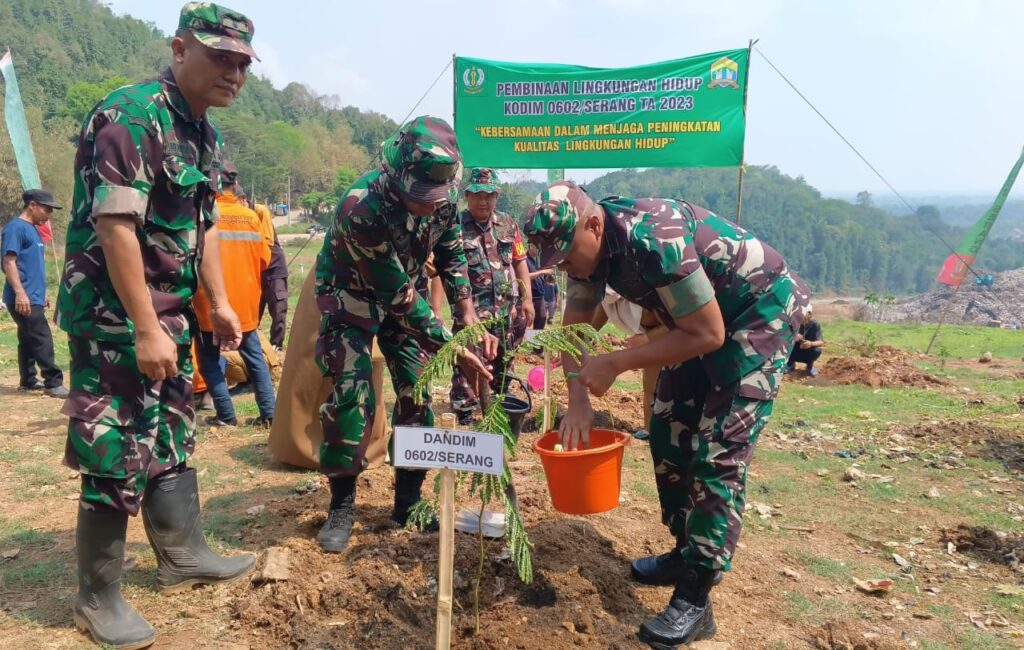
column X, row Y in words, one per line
column 725, row 73
column 473, row 80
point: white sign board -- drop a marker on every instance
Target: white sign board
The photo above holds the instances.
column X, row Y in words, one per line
column 430, row 448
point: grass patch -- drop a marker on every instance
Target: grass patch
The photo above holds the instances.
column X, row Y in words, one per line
column 254, row 455
column 845, row 406
column 975, row 639
column 36, row 475
column 961, row 342
column 14, row 535
column 11, row 456
column 798, row 607
column 834, row 570
column 645, row 490
column 46, row 572
column 1008, row 605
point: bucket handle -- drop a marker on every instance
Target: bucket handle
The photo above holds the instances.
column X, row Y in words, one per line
column 526, row 390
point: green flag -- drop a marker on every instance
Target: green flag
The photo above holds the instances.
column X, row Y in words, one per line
column 954, row 270
column 17, row 126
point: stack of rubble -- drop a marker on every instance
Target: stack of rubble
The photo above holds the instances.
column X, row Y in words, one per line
column 1002, row 304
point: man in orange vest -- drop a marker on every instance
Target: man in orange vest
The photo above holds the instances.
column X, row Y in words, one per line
column 245, row 253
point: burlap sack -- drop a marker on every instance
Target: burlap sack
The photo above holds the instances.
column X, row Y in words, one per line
column 296, row 435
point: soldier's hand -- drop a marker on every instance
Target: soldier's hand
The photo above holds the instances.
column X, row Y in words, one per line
column 156, row 354
column 529, row 313
column 227, row 329
column 473, row 365
column 574, row 430
column 599, row 373
column 489, row 345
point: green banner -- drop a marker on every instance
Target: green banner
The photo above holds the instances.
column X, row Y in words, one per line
column 682, row 113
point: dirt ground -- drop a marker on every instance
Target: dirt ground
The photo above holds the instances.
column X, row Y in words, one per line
column 810, row 534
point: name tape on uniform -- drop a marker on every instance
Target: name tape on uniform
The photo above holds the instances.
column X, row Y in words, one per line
column 429, row 448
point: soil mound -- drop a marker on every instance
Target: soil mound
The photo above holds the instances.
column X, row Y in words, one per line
column 877, row 372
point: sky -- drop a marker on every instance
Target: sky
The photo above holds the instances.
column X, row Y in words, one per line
column 927, row 90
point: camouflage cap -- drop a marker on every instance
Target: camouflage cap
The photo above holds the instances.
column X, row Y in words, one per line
column 551, row 221
column 483, row 179
column 218, row 27
column 423, row 161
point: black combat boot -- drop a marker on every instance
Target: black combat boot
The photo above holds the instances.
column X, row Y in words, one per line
column 688, row 617
column 407, row 494
column 664, row 570
column 336, row 531
column 99, row 608
column 170, row 514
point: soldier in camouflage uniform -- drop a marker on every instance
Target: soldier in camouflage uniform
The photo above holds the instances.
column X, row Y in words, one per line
column 142, row 235
column 371, row 281
column 732, row 307
column 500, row 279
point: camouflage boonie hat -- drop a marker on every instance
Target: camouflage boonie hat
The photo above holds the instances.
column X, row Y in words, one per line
column 423, row 161
column 551, row 221
column 483, row 179
column 218, row 27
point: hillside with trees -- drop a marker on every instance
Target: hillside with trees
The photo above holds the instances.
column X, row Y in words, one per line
column 69, row 53
column 832, row 244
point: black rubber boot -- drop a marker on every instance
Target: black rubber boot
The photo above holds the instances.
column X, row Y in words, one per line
column 665, row 570
column 336, row 531
column 689, row 615
column 407, row 494
column 98, row 608
column 170, row 514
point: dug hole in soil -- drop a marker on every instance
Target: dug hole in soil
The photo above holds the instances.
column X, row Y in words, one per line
column 381, row 593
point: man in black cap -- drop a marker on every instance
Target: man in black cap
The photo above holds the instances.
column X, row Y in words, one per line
column 24, row 263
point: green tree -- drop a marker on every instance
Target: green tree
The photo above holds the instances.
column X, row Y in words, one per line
column 343, row 179
column 82, row 96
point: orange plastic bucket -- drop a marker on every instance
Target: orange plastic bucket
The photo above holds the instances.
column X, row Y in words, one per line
column 585, row 481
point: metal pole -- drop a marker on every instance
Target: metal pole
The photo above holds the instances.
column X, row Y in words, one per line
column 746, row 78
column 288, row 199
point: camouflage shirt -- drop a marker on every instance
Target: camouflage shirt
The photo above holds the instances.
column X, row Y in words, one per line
column 491, row 248
column 141, row 153
column 673, row 258
column 374, row 258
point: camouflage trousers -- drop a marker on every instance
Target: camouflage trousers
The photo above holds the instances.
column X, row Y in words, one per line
column 346, row 416
column 125, row 428
column 702, row 442
column 466, row 385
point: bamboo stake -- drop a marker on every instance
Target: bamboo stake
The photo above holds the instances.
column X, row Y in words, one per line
column 547, row 390
column 446, row 555
column 942, row 319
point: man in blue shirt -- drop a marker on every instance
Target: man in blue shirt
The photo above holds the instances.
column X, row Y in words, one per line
column 25, row 293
